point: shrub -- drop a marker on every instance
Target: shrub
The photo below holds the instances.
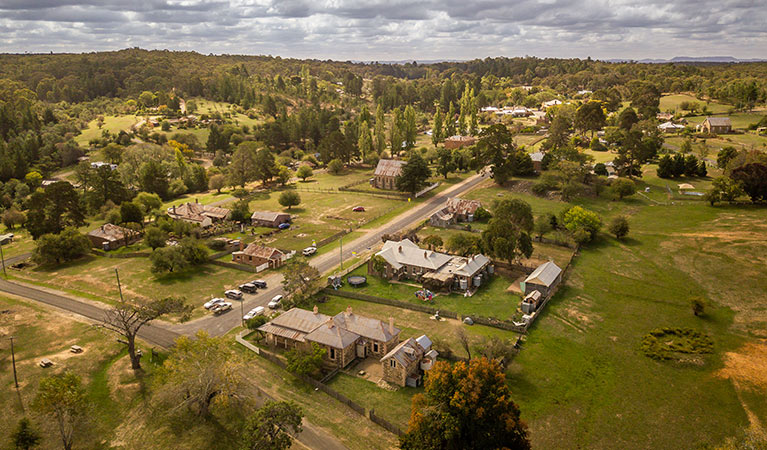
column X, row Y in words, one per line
column 619, row 227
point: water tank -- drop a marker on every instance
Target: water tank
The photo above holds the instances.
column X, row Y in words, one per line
column 463, row 284
column 477, row 281
column 491, row 269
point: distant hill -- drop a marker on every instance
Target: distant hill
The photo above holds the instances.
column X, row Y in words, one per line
column 688, row 59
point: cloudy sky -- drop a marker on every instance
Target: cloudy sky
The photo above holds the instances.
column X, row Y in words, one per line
column 392, row 29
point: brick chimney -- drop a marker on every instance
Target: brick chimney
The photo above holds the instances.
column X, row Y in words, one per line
column 242, row 245
column 174, row 209
column 316, row 310
column 330, row 323
column 391, row 325
column 348, row 312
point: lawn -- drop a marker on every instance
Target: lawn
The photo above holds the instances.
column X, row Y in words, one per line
column 672, row 102
column 393, row 406
column 39, row 334
column 22, row 243
column 414, row 323
column 320, row 215
column 580, row 379
column 94, row 277
column 491, row 300
column 113, row 124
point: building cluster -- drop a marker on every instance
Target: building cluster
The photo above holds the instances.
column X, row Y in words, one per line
column 456, row 210
column 403, row 259
column 348, row 336
column 197, row 213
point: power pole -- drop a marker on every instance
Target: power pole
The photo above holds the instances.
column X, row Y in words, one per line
column 13, row 358
column 242, row 311
column 341, row 250
column 119, row 288
column 2, row 256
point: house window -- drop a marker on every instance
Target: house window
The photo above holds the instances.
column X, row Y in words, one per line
column 332, row 353
column 375, row 347
column 392, row 363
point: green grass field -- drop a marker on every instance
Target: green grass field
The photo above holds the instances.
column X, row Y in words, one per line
column 490, row 300
column 672, row 102
column 94, row 277
column 113, row 124
column 393, row 406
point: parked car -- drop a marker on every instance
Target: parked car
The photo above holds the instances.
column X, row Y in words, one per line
column 309, row 251
column 250, row 288
column 261, row 284
column 358, row 209
column 234, row 294
column 283, row 226
column 221, row 307
column 257, row 311
column 275, row 302
column 213, row 302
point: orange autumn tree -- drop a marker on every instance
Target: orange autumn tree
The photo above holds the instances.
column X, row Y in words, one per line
column 465, row 406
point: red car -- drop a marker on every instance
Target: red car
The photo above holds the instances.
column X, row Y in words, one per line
column 358, row 209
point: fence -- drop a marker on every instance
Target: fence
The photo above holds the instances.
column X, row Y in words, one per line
column 388, row 426
column 120, row 255
column 230, row 265
column 427, row 189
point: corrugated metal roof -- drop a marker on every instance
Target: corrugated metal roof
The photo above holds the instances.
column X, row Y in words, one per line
column 261, row 251
column 111, row 232
column 365, row 326
column 333, row 335
column 424, row 342
column 397, row 253
column 545, row 274
column 197, row 212
column 462, row 206
column 389, row 168
column 268, row 216
column 405, row 352
column 719, row 121
column 300, row 319
column 472, row 265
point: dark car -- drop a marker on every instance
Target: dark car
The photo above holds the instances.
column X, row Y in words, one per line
column 250, row 288
column 261, row 284
column 358, row 209
column 283, row 226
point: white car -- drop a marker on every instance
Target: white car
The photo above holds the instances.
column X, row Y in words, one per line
column 257, row 311
column 234, row 294
column 309, row 251
column 221, row 307
column 275, row 302
column 213, row 302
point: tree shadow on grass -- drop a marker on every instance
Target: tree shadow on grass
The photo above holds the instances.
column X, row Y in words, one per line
column 185, row 275
column 66, row 265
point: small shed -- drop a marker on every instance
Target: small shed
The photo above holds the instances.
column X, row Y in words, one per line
column 544, row 279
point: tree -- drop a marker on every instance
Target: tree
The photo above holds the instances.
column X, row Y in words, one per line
column 445, row 161
column 149, row 202
column 63, row 399
column 590, row 117
column 436, row 131
column 724, row 189
column 155, row 237
column 365, row 141
column 242, row 169
column 619, row 227
column 335, row 167
column 623, row 187
column 409, row 132
column 579, row 219
column 153, row 177
column 200, row 373
column 53, row 208
column 12, row 217
column 127, row 319
column 543, row 225
column 380, row 130
column 698, row 305
column 627, row 118
column 53, row 249
column 168, row 259
column 217, row 182
column 414, row 176
column 496, row 148
column 289, row 199
column 240, row 211
column 507, row 233
column 465, row 406
column 433, row 241
column 25, row 436
column 131, row 212
column 272, row 427
column 113, row 153
column 300, row 279
column 464, row 244
column 305, row 362
column 284, row 175
column 266, row 168
column 304, row 172
column 725, row 155
column 753, row 179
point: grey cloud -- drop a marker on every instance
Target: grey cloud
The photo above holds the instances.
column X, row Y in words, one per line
column 391, row 29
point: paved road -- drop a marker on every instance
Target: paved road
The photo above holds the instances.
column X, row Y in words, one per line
column 222, row 324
